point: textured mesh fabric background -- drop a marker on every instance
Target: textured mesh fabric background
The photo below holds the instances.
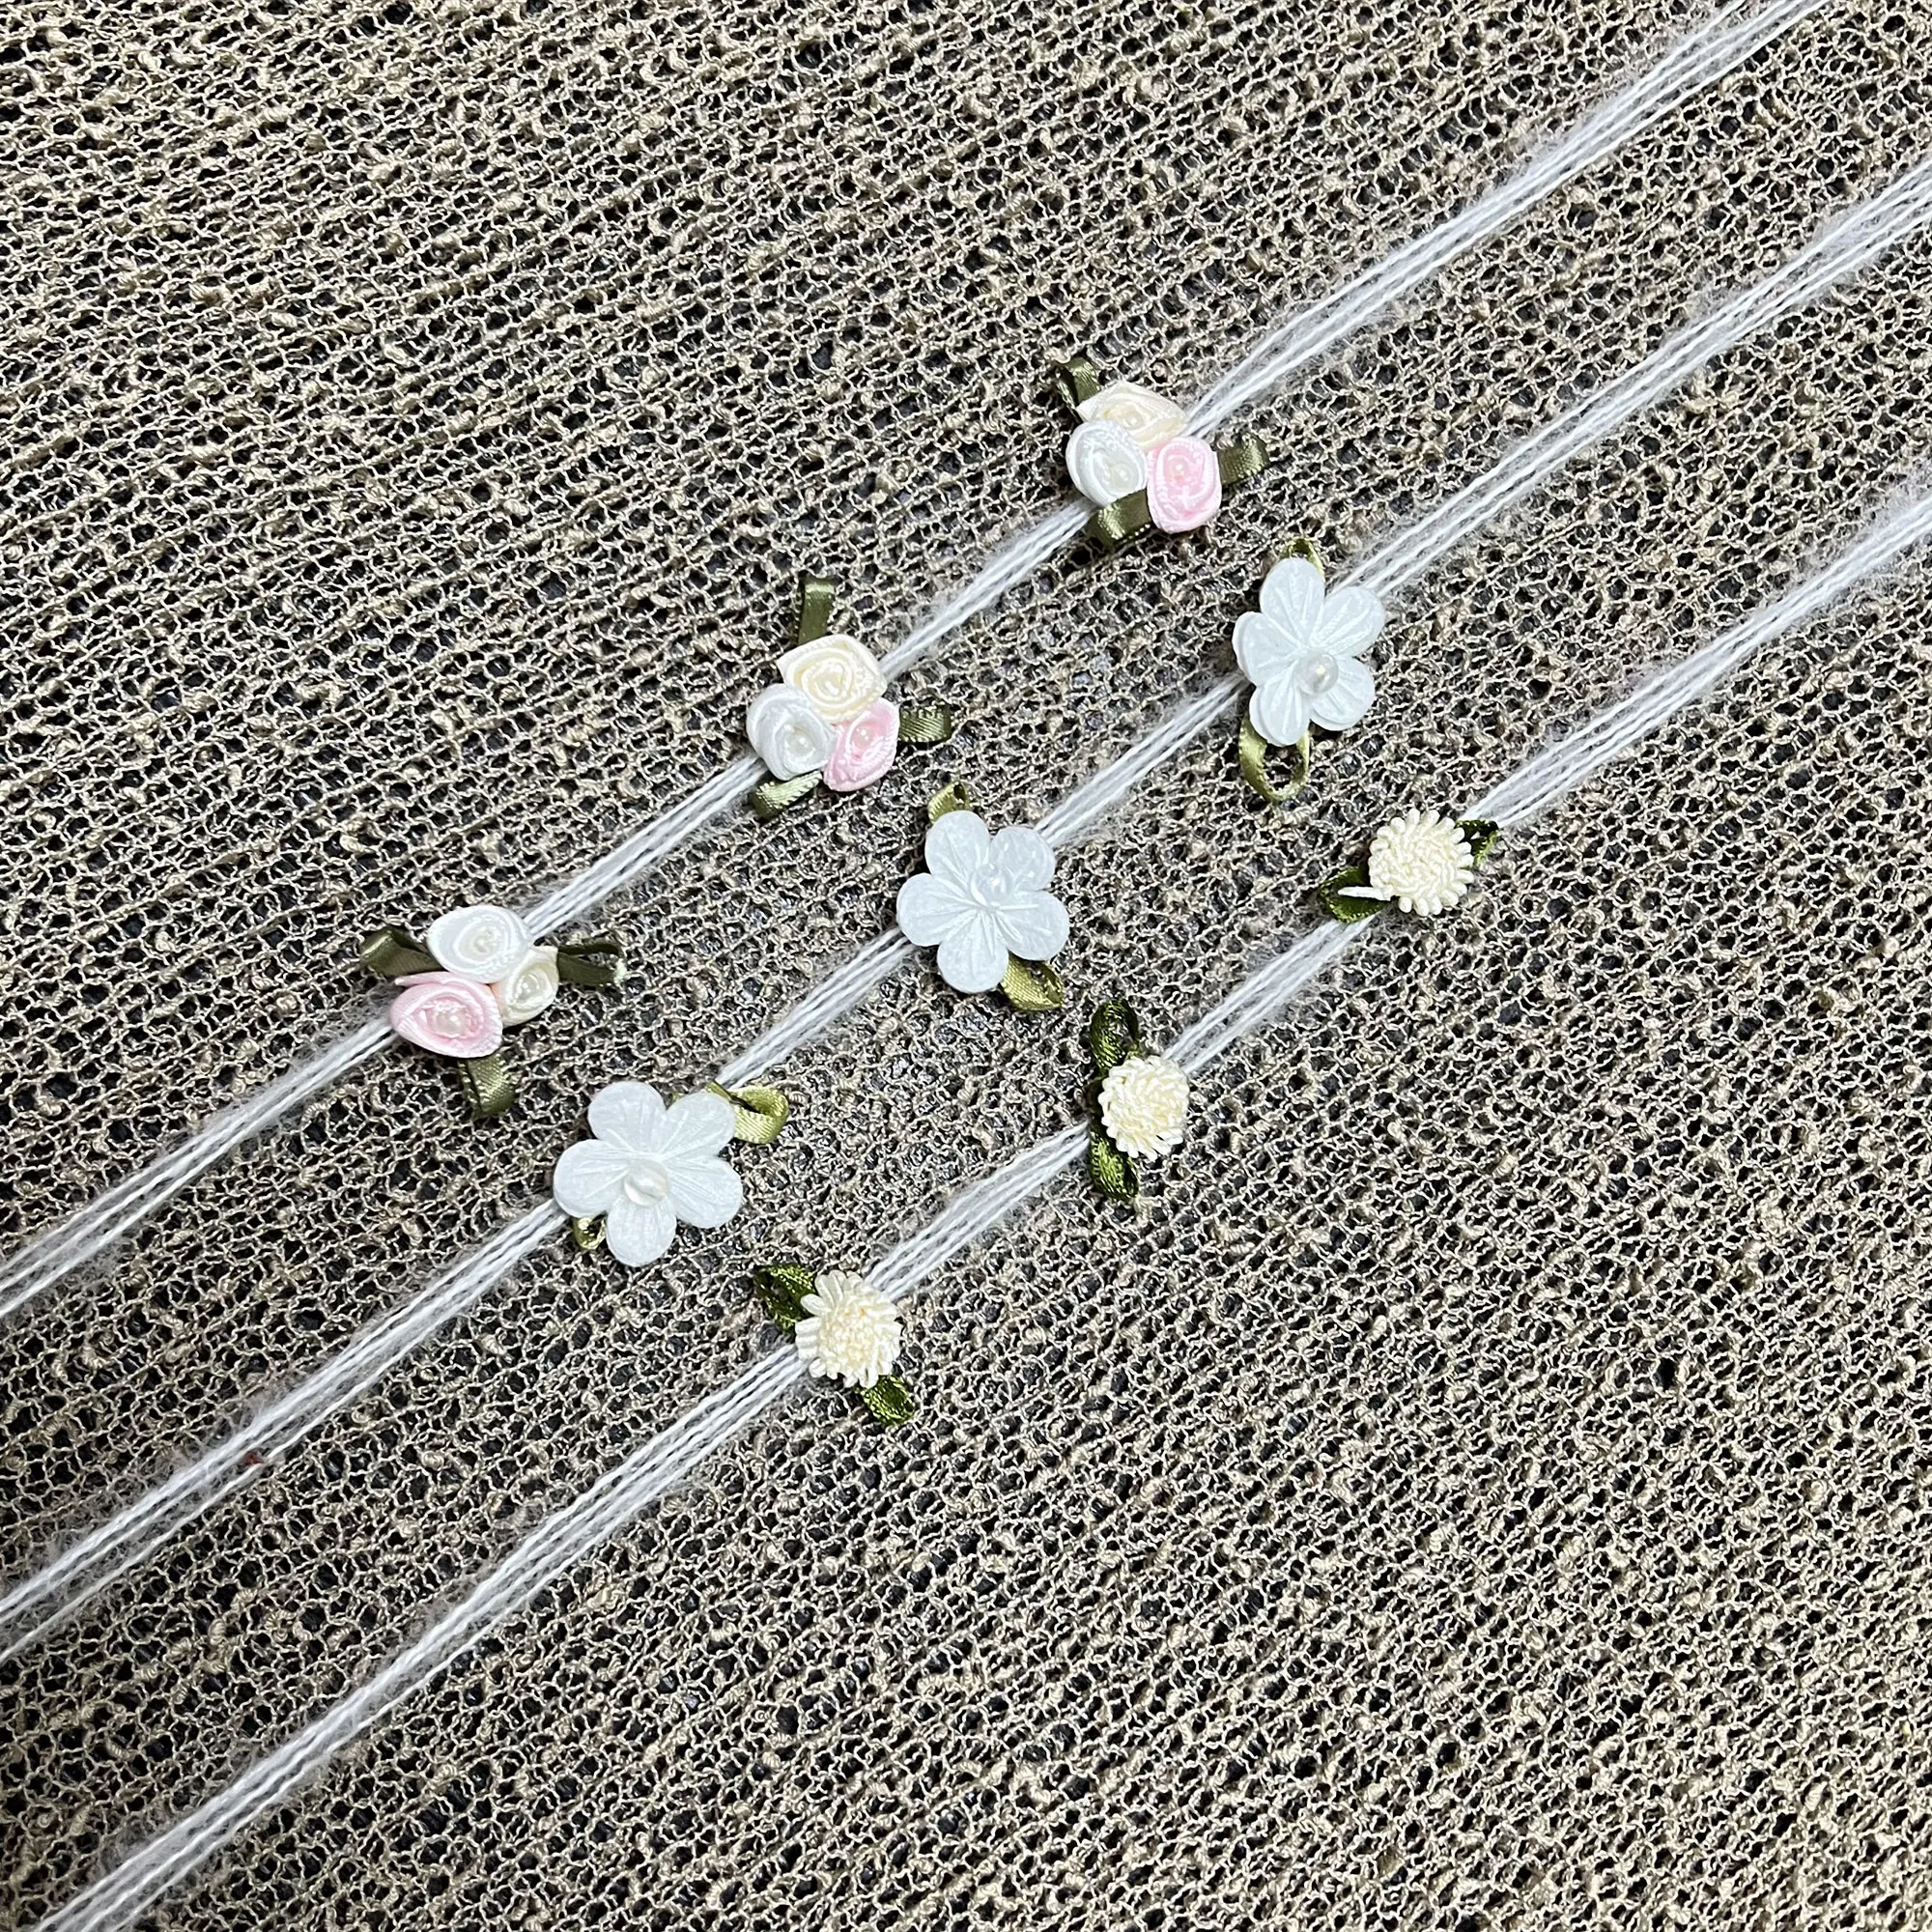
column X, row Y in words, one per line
column 1482, row 1484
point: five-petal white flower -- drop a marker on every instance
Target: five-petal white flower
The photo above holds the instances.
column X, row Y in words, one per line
column 649, row 1167
column 1303, row 650
column 983, row 896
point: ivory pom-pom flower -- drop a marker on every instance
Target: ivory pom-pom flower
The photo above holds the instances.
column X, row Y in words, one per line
column 1303, row 650
column 647, row 1167
column 982, row 897
column 1144, row 1106
column 1422, row 861
column 850, row 1331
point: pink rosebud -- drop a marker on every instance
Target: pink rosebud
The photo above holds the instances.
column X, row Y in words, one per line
column 1184, row 486
column 864, row 749
column 448, row 1015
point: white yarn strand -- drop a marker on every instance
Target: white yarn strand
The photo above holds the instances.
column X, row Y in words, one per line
column 43, row 1601
column 1848, row 246
column 1697, row 62
column 1728, row 39
column 119, row 1896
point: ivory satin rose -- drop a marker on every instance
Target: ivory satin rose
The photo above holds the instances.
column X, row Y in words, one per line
column 837, row 675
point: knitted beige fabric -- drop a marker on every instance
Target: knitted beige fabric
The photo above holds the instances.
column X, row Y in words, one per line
column 1480, row 1485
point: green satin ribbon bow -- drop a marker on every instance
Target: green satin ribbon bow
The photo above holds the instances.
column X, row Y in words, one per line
column 781, row 1288
column 1113, row 1036
column 488, row 1090
column 920, row 724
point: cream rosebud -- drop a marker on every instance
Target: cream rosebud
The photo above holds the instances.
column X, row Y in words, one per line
column 835, row 675
column 524, row 993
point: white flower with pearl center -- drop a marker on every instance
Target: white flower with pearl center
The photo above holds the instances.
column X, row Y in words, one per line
column 647, row 1167
column 1422, row 861
column 981, row 899
column 1303, row 651
column 1144, row 1106
column 480, row 942
column 850, row 1331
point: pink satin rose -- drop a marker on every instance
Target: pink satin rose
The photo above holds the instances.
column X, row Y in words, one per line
column 448, row 1015
column 865, row 747
column 1184, row 486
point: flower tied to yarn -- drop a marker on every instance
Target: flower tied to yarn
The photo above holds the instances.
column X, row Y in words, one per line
column 844, row 1329
column 828, row 722
column 478, row 974
column 1132, row 457
column 1138, row 1101
column 1422, row 862
column 1303, row 650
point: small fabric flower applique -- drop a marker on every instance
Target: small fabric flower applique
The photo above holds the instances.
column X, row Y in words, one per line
column 844, row 1329
column 1304, row 651
column 828, row 722
column 1132, row 457
column 647, row 1167
column 982, row 901
column 1420, row 863
column 1139, row 1100
column 477, row 973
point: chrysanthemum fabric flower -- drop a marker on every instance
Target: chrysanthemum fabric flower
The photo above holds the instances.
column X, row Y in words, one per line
column 982, row 897
column 1422, row 861
column 649, row 1167
column 850, row 1331
column 1144, row 1106
column 1303, row 651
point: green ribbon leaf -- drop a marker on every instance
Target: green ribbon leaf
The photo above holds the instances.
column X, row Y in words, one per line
column 759, row 1112
column 393, row 952
column 586, row 1233
column 1340, row 900
column 487, row 1087
column 1113, row 1035
column 776, row 795
column 815, row 608
column 925, row 723
column 1031, row 985
column 953, row 797
column 1075, row 381
column 591, row 962
column 781, row 1289
column 1241, row 460
column 1308, row 551
column 1112, row 1171
column 1254, row 752
column 1482, row 834
column 890, row 1399
column 1121, row 522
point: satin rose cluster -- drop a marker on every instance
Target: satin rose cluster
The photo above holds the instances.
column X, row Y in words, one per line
column 828, row 714
column 492, row 974
column 1129, row 440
